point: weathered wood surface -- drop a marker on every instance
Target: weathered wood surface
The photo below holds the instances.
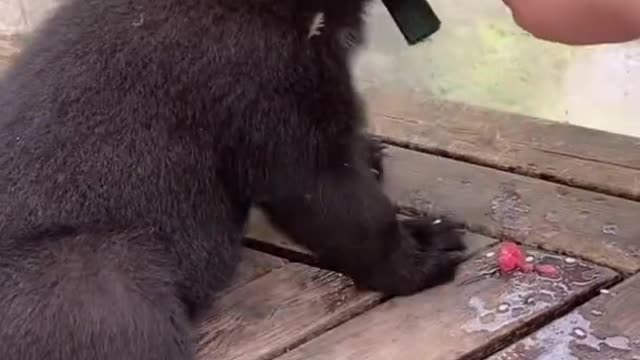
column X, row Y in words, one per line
column 601, row 228
column 606, row 328
column 253, row 265
column 278, row 311
column 458, row 320
column 572, row 155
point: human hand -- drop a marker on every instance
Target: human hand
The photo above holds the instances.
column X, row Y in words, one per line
column 578, row 22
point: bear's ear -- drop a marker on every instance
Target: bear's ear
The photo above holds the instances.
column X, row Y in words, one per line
column 415, row 19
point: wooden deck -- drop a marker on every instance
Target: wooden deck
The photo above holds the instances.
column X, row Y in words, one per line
column 570, row 195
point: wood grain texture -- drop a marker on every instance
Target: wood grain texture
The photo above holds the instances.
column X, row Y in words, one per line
column 253, row 265
column 458, row 320
column 569, row 154
column 603, row 329
column 601, row 228
column 278, row 311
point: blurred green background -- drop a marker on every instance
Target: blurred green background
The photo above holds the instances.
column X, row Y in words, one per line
column 481, row 57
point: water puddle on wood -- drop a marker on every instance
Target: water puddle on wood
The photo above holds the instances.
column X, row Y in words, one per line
column 529, row 293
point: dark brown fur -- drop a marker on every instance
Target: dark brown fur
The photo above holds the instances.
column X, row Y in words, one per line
column 134, row 137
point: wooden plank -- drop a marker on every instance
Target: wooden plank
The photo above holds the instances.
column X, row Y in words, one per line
column 569, row 154
column 278, row 311
column 603, row 329
column 253, row 265
column 457, row 320
column 601, row 228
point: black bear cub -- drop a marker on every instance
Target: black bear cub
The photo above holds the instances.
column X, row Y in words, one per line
column 135, row 135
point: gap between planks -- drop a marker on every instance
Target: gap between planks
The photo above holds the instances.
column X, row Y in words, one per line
column 263, row 236
column 600, row 228
column 571, row 155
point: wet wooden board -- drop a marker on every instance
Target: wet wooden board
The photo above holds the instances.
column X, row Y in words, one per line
column 572, row 155
column 603, row 329
column 457, row 320
column 278, row 311
column 601, row 228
